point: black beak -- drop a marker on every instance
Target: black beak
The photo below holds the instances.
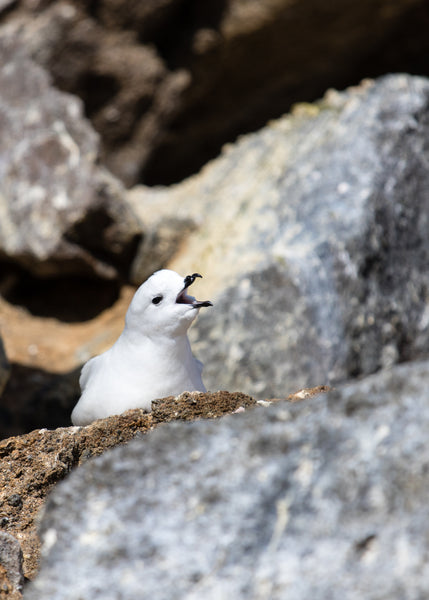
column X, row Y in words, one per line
column 201, row 304
column 183, row 298
column 189, row 279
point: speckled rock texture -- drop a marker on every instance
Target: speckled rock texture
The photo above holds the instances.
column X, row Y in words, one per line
column 11, row 573
column 31, row 464
column 314, row 245
column 61, row 213
column 167, row 82
column 324, row 499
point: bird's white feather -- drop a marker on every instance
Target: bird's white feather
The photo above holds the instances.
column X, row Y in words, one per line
column 151, row 359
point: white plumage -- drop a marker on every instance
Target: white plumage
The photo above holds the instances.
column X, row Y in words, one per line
column 151, row 359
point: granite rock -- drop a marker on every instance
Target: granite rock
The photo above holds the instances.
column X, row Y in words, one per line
column 61, row 213
column 11, row 573
column 167, row 82
column 319, row 500
column 31, row 464
column 313, row 245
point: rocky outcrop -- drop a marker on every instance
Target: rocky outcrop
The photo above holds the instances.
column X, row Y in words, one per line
column 61, row 213
column 31, row 464
column 167, row 82
column 320, row 500
column 311, row 238
column 313, row 243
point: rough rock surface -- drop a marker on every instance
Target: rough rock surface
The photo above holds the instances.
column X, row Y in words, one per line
column 167, row 226
column 61, row 213
column 11, row 574
column 31, row 464
column 314, row 247
column 322, row 500
column 167, row 82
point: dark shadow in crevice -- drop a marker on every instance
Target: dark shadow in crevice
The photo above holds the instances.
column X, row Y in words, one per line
column 68, row 298
column 97, row 90
column 174, row 41
column 37, row 399
column 94, row 234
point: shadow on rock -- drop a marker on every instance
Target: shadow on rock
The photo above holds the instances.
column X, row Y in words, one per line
column 35, row 399
column 67, row 298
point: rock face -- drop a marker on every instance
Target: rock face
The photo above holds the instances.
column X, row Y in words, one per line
column 320, row 500
column 311, row 236
column 167, row 82
column 314, row 246
column 168, row 220
column 30, row 465
column 61, row 214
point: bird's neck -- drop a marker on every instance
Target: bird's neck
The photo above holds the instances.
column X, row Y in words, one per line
column 135, row 340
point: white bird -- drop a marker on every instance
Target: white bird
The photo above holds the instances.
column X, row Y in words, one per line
column 152, row 357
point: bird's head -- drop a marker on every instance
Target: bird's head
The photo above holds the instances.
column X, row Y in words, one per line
column 162, row 307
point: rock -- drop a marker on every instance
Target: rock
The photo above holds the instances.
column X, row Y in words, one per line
column 167, row 82
column 318, row 500
column 4, row 368
column 36, row 399
column 314, row 246
column 31, row 464
column 127, row 90
column 11, row 575
column 167, row 226
column 61, row 213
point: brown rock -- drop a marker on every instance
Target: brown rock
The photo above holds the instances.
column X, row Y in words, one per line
column 31, row 464
column 307, row 393
column 196, row 405
column 7, row 590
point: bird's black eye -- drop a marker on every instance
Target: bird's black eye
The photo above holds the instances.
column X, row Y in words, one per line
column 157, row 299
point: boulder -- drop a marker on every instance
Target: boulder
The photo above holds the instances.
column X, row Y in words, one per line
column 167, row 82
column 31, row 464
column 319, row 500
column 167, row 219
column 61, row 213
column 314, row 245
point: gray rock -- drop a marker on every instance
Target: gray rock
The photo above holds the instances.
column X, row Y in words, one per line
column 314, row 246
column 167, row 82
column 167, row 224
column 11, row 560
column 317, row 500
column 60, row 212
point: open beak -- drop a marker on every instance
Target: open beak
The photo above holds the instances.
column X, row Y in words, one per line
column 184, row 298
